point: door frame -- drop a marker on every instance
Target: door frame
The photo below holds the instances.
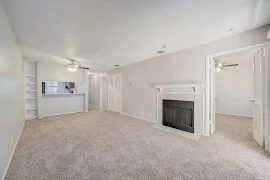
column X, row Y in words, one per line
column 208, row 83
column 121, row 106
column 101, row 90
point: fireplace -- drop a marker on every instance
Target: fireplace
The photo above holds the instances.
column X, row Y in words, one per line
column 178, row 114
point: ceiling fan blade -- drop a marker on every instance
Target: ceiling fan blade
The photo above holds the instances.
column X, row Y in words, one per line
column 83, row 67
column 75, row 63
column 230, row 65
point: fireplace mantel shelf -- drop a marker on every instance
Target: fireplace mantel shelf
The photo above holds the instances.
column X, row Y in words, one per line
column 194, row 86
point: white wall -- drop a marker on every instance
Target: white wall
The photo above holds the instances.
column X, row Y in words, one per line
column 186, row 66
column 234, row 87
column 61, row 104
column 94, row 89
column 11, row 92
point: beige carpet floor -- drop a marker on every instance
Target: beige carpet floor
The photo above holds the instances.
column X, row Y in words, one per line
column 106, row 145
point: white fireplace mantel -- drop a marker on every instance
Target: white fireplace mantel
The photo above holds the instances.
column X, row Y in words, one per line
column 194, row 86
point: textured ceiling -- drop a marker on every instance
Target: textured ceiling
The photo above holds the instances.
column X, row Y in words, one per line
column 103, row 33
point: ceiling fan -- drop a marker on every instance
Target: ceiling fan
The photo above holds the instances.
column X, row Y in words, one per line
column 73, row 66
column 220, row 66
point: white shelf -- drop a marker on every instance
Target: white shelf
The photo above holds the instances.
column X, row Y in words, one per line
column 30, row 109
column 31, row 97
column 29, row 75
column 194, row 86
column 31, row 101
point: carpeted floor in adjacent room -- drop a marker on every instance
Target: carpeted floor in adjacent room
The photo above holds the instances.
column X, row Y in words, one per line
column 105, row 145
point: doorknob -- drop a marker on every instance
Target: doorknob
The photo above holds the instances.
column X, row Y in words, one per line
column 253, row 101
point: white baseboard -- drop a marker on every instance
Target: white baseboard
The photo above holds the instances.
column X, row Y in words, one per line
column 5, row 172
column 139, row 118
column 267, row 147
column 233, row 114
column 31, row 119
column 60, row 114
column 94, row 105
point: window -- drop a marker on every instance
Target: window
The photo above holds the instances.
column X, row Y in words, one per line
column 52, row 87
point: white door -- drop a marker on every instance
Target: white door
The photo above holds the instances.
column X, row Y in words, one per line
column 212, row 98
column 111, row 93
column 258, row 117
column 103, row 92
column 115, row 93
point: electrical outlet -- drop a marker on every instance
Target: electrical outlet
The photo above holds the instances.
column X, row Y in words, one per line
column 71, row 107
column 141, row 112
column 135, row 110
column 11, row 139
column 149, row 114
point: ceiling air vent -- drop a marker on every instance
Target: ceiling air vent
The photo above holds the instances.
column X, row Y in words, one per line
column 161, row 52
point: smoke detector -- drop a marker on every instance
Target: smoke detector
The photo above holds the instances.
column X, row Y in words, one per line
column 161, row 52
column 166, row 46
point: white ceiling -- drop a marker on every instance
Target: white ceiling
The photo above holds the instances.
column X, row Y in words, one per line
column 102, row 33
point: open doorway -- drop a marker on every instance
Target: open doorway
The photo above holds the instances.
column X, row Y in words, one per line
column 236, row 89
column 234, row 81
column 237, row 93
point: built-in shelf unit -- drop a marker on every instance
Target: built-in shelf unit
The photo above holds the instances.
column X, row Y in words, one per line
column 31, row 100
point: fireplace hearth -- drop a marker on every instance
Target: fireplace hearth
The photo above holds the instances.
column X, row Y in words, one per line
column 178, row 114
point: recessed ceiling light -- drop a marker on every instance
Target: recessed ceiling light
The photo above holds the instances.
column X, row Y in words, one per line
column 161, row 52
column 116, row 65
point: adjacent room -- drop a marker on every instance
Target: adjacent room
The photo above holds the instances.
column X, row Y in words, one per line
column 237, row 91
column 139, row 90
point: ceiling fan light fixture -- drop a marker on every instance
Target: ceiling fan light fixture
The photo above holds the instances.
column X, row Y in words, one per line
column 218, row 69
column 72, row 69
column 220, row 65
